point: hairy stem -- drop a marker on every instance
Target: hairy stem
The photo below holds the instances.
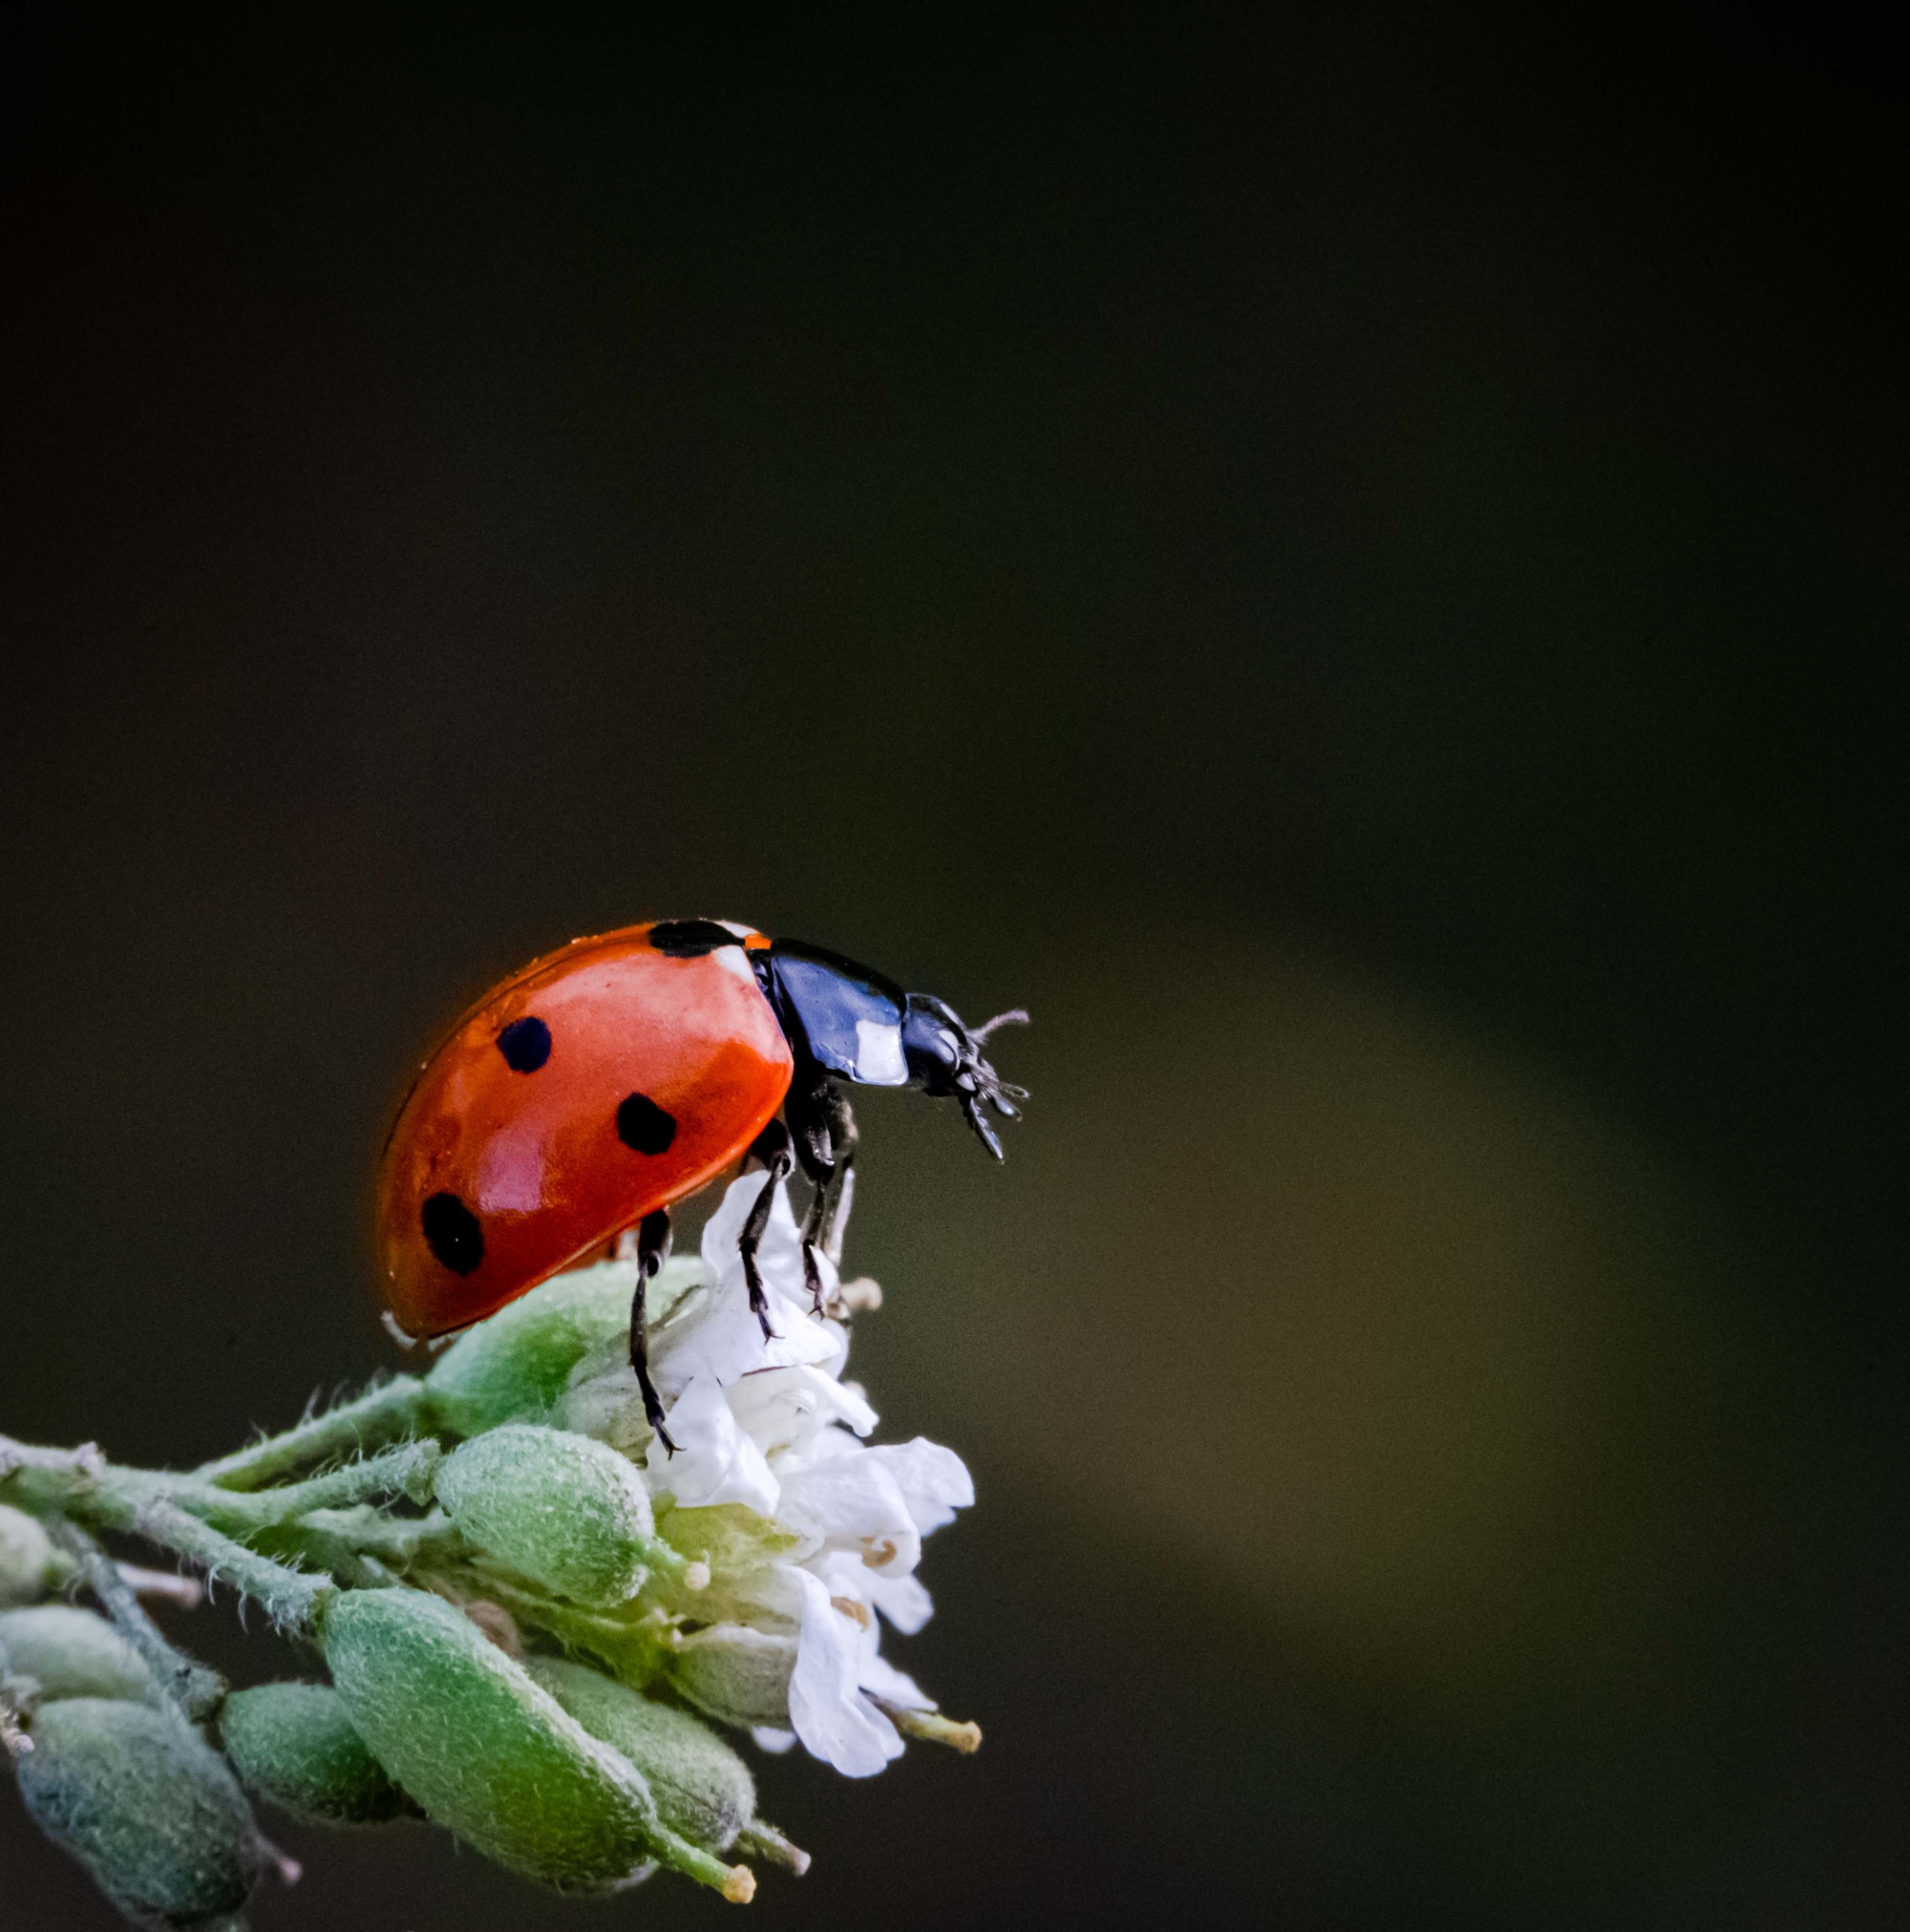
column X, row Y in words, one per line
column 368, row 1550
column 737, row 1883
column 393, row 1409
column 759, row 1839
column 195, row 1690
column 405, row 1471
column 81, row 1487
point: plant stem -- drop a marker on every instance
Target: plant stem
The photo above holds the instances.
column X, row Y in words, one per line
column 393, row 1409
column 367, row 1549
column 760, row 1840
column 737, row 1883
column 78, row 1484
column 197, row 1692
column 406, row 1471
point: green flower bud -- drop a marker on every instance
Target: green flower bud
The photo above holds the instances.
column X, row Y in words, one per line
column 30, row 1567
column 138, row 1799
column 515, row 1366
column 701, row 1787
column 494, row 1756
column 293, row 1743
column 555, row 1507
column 72, row 1653
column 736, row 1674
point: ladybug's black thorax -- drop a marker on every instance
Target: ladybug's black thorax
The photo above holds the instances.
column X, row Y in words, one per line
column 839, row 1018
column 845, row 1021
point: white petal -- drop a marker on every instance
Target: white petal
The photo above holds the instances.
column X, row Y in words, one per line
column 831, row 1716
column 772, row 1740
column 879, row 1675
column 778, row 1258
column 853, row 1503
column 722, row 1338
column 903, row 1601
column 712, row 1331
column 714, row 1461
column 934, row 1481
column 826, row 1445
column 844, row 1577
column 785, row 1410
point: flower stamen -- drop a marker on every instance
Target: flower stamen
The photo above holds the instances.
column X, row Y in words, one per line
column 929, row 1726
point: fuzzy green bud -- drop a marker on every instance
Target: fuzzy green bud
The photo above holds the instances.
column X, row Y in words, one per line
column 138, row 1799
column 559, row 1508
column 701, row 1787
column 494, row 1756
column 738, row 1675
column 515, row 1366
column 293, row 1744
column 30, row 1567
column 71, row 1653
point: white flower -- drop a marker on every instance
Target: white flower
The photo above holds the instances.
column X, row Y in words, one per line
column 713, row 1331
column 715, row 1461
column 770, row 1424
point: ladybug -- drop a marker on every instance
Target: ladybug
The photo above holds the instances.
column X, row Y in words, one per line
column 592, row 1091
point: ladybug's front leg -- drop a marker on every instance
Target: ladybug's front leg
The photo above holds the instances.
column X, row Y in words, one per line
column 652, row 1250
column 770, row 1148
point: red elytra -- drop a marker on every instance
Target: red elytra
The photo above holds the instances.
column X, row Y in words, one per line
column 652, row 1074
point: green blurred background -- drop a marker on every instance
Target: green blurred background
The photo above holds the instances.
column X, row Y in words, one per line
column 1356, row 567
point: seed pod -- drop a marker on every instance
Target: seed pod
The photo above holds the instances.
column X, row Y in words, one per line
column 738, row 1675
column 515, row 1366
column 139, row 1801
column 72, row 1653
column 30, row 1567
column 701, row 1787
column 484, row 1750
column 557, row 1507
column 293, row 1744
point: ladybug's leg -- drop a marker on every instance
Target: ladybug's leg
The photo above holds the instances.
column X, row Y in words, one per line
column 770, row 1148
column 652, row 1250
column 828, row 1220
column 825, row 1146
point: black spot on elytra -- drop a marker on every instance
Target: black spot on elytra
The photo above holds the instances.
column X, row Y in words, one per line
column 451, row 1231
column 525, row 1044
column 641, row 1124
column 690, row 937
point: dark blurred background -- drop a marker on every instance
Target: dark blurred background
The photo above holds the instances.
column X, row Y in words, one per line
column 1356, row 566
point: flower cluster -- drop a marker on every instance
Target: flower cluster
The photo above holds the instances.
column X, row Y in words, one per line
column 529, row 1610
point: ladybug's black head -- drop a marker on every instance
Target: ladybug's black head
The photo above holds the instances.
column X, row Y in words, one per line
column 945, row 1060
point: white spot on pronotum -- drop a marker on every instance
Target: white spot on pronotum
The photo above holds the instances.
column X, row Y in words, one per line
column 732, row 959
column 879, row 1055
